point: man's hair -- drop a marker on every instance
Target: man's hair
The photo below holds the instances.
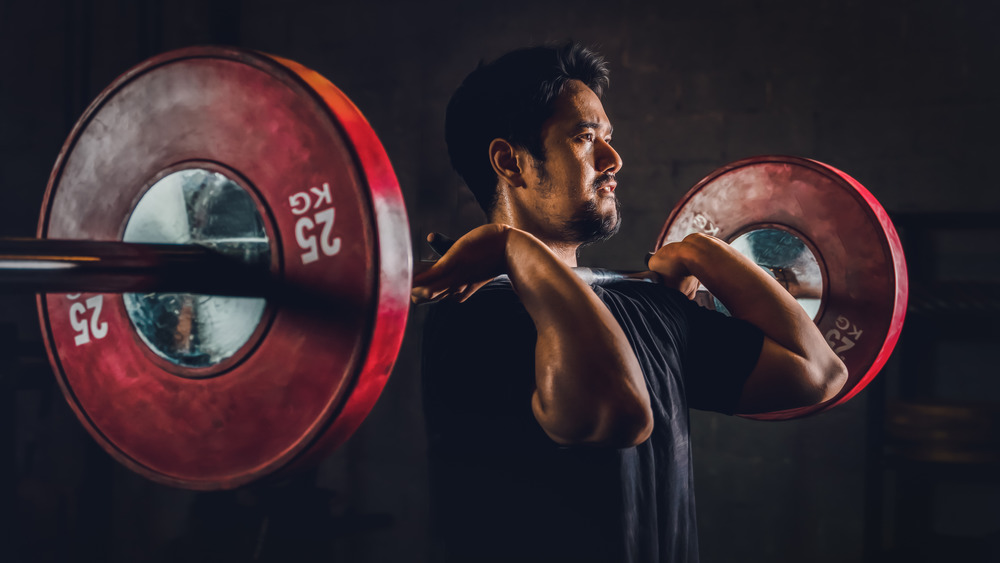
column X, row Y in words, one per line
column 510, row 99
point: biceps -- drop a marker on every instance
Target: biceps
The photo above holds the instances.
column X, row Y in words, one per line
column 781, row 380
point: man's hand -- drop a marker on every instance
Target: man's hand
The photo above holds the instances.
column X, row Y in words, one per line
column 468, row 265
column 673, row 272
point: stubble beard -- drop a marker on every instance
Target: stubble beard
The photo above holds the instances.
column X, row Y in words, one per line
column 588, row 225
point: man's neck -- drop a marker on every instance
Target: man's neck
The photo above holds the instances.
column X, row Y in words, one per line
column 564, row 251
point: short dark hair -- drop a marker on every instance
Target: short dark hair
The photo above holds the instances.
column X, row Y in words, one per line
column 510, row 99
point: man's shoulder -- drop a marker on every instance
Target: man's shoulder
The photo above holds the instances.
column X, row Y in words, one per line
column 495, row 306
column 643, row 297
column 498, row 294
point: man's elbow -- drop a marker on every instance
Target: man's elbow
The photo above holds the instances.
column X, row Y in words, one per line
column 616, row 426
column 628, row 428
column 827, row 379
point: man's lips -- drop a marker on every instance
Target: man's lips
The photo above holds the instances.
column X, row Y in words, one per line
column 605, row 184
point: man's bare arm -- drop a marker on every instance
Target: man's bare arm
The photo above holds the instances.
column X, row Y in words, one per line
column 589, row 386
column 796, row 367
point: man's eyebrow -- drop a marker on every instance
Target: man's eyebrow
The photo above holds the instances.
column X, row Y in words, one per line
column 593, row 125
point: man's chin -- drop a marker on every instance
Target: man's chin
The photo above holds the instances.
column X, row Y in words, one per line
column 597, row 229
column 595, row 222
column 609, row 228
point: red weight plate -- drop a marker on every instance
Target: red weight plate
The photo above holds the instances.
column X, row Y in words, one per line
column 864, row 271
column 304, row 381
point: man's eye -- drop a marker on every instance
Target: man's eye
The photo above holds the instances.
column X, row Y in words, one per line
column 589, row 137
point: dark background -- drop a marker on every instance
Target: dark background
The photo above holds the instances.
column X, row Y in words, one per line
column 904, row 96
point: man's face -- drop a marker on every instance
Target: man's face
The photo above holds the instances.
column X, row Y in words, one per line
column 571, row 195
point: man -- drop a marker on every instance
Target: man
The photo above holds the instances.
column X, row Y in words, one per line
column 557, row 412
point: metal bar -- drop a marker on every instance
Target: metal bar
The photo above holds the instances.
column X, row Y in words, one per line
column 78, row 266
column 601, row 276
column 83, row 266
column 440, row 244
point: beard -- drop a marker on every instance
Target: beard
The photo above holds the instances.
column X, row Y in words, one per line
column 588, row 225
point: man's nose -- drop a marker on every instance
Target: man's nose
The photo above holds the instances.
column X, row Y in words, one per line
column 608, row 158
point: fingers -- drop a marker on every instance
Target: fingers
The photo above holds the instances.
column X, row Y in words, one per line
column 430, row 286
column 689, row 287
column 466, row 265
column 421, row 295
column 438, row 282
column 439, row 270
column 433, row 270
column 440, row 243
column 442, row 281
column 469, row 291
column 428, row 294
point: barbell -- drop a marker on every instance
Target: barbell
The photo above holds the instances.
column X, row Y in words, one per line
column 223, row 265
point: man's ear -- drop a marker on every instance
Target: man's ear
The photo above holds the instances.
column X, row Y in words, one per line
column 504, row 158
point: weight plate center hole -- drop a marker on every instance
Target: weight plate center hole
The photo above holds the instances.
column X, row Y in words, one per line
column 208, row 208
column 788, row 259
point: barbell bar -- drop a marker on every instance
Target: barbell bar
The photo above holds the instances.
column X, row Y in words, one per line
column 74, row 266
column 207, row 178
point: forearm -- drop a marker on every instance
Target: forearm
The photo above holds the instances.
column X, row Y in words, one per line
column 751, row 294
column 802, row 367
column 589, row 386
